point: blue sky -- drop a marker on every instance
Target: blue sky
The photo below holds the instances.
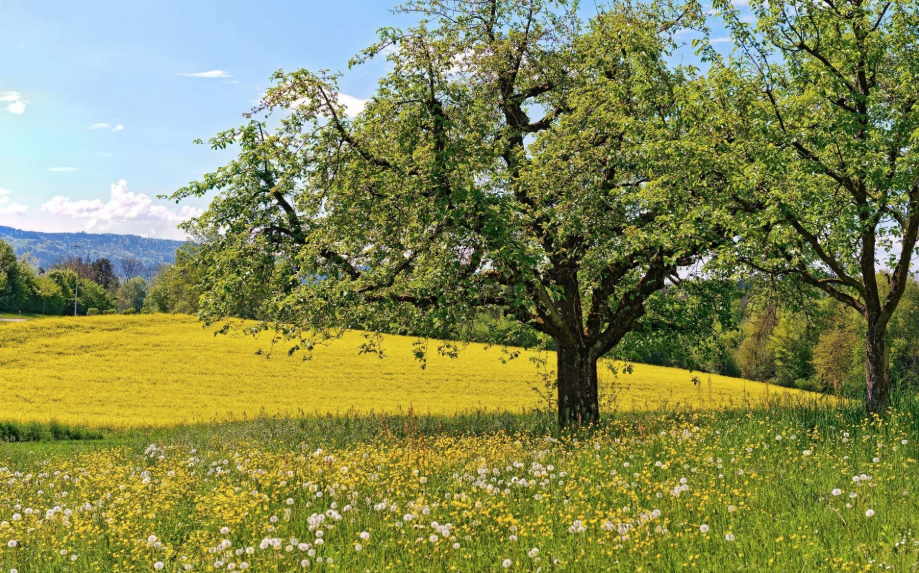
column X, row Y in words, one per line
column 96, row 118
column 100, row 100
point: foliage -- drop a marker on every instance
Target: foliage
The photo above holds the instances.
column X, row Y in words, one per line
column 514, row 159
column 36, row 432
column 103, row 274
column 814, row 130
column 49, row 249
column 753, row 353
column 178, row 287
column 834, row 359
column 10, row 278
column 89, row 295
column 131, row 294
column 163, row 370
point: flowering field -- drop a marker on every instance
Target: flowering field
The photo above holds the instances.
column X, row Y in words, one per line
column 164, row 370
column 777, row 490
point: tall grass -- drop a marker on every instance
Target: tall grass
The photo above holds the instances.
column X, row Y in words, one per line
column 751, row 488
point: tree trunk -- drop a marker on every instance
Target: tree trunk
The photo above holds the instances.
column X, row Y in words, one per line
column 578, row 397
column 877, row 372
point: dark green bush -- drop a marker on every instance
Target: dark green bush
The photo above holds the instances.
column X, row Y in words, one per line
column 37, row 432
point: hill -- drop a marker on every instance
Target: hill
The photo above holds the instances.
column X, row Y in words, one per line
column 163, row 370
column 49, row 248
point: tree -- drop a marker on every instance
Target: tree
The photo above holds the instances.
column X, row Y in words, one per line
column 815, row 123
column 131, row 294
column 754, row 354
column 514, row 159
column 131, row 267
column 178, row 287
column 91, row 295
column 49, row 293
column 904, row 338
column 833, row 358
column 103, row 274
column 9, row 275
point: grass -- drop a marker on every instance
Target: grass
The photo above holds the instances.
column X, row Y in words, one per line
column 163, row 370
column 761, row 489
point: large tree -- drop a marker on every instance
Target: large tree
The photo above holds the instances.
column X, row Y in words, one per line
column 816, row 121
column 514, row 158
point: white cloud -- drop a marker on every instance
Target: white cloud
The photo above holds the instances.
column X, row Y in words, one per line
column 16, row 105
column 4, row 191
column 63, row 169
column 722, row 40
column 118, row 127
column 353, row 105
column 210, row 74
column 8, row 208
column 124, row 207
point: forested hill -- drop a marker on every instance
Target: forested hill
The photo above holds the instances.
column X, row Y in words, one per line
column 50, row 248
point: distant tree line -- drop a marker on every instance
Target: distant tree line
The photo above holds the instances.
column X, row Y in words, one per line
column 94, row 285
column 780, row 333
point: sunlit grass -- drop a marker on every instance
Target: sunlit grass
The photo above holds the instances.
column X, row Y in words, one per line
column 770, row 489
column 162, row 370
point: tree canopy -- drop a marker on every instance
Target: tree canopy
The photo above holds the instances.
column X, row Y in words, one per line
column 814, row 126
column 515, row 158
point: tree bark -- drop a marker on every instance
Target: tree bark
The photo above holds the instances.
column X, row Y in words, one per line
column 877, row 372
column 578, row 396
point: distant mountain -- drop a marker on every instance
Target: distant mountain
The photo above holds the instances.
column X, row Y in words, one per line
column 51, row 248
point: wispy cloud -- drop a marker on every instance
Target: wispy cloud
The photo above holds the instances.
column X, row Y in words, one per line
column 16, row 105
column 123, row 207
column 63, row 169
column 105, row 154
column 210, row 74
column 118, row 127
column 722, row 40
column 4, row 191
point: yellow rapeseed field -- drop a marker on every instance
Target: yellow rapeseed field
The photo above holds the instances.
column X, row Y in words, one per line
column 164, row 370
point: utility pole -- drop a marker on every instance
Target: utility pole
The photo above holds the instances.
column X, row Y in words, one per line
column 76, row 290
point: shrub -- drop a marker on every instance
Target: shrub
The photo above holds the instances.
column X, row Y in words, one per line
column 110, row 311
column 129, row 311
column 92, row 311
